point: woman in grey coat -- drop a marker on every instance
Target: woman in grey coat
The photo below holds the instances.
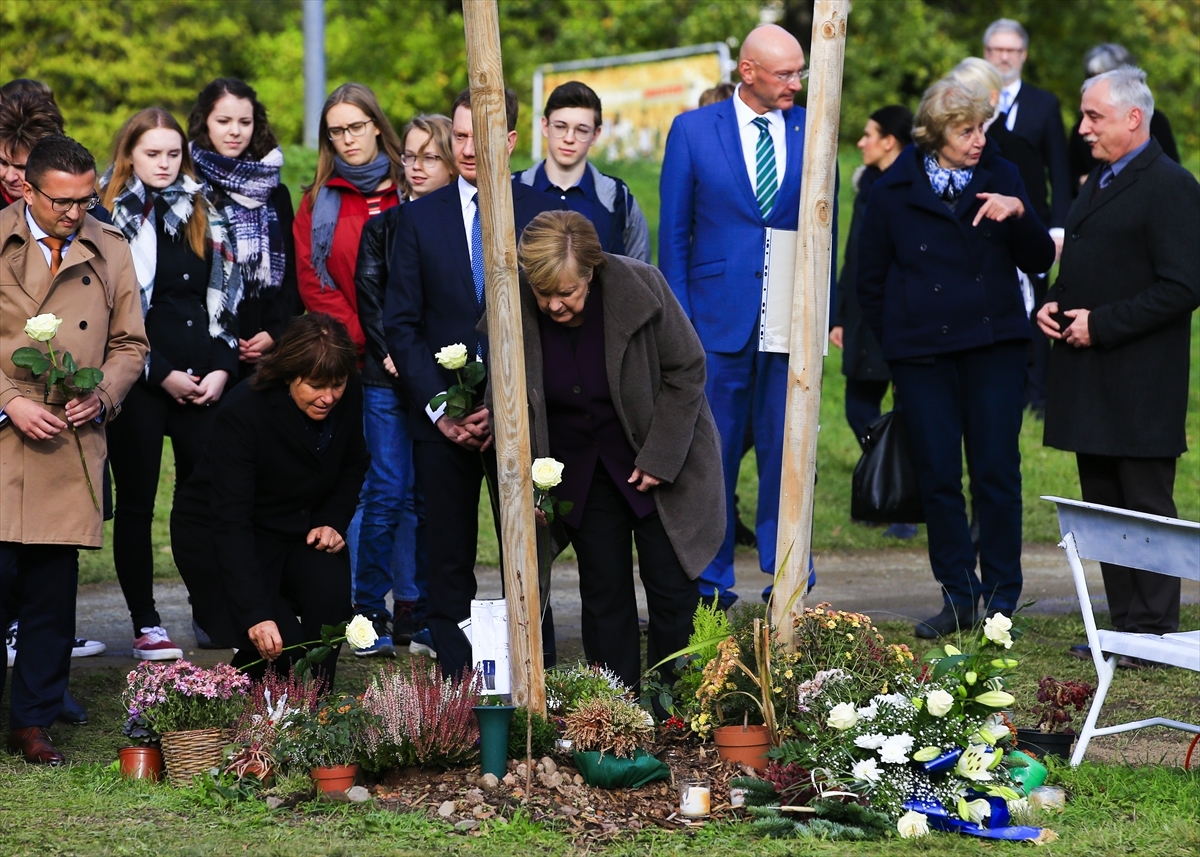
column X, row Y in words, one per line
column 615, row 377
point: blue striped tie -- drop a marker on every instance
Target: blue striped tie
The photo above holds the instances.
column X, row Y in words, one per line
column 765, row 172
column 477, row 252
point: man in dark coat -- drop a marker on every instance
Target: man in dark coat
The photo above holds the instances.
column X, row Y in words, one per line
column 1120, row 314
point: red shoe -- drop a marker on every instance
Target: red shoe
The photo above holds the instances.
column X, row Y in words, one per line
column 33, row 742
column 155, row 645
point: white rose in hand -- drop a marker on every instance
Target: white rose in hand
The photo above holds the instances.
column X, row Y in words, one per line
column 938, row 703
column 452, row 357
column 360, row 633
column 912, row 824
column 842, row 716
column 996, row 628
column 42, row 328
column 547, row 473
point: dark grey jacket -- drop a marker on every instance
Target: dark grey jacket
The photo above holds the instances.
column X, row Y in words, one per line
column 1131, row 256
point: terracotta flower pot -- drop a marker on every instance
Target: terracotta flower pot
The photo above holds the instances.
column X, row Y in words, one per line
column 746, row 745
column 141, row 763
column 336, row 778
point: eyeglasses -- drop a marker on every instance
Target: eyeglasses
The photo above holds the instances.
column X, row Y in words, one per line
column 989, row 49
column 354, row 129
column 784, row 77
column 558, row 130
column 428, row 160
column 65, row 204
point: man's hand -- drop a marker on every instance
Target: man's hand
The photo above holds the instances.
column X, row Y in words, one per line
column 181, row 386
column 996, row 206
column 265, row 637
column 1078, row 334
column 643, row 481
column 251, row 350
column 471, row 432
column 1045, row 320
column 32, row 420
column 83, row 408
column 836, row 336
column 211, row 387
column 325, row 539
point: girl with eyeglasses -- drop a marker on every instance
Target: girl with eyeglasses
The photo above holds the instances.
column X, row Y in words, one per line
column 191, row 288
column 240, row 161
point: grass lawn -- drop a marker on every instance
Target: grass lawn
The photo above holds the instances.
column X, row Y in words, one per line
column 1133, row 804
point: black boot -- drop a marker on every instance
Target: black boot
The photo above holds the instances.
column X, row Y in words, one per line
column 954, row 617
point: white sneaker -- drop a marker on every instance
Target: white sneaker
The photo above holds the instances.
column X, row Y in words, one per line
column 10, row 643
column 85, row 648
column 155, row 645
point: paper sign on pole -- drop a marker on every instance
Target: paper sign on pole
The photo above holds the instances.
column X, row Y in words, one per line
column 488, row 633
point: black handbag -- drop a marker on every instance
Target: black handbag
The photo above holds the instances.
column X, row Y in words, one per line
column 884, row 488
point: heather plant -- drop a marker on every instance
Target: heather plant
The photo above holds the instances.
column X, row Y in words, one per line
column 609, row 724
column 421, row 717
column 181, row 696
column 269, row 701
column 333, row 734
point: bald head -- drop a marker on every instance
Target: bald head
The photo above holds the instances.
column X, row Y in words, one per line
column 770, row 63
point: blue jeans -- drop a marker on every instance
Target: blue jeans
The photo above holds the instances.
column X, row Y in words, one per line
column 390, row 549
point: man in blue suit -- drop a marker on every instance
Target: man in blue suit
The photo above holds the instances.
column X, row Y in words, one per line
column 731, row 170
column 435, row 298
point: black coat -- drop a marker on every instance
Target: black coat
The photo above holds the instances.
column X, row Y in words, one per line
column 263, row 486
column 370, row 284
column 931, row 283
column 1132, row 257
column 1039, row 120
column 862, row 358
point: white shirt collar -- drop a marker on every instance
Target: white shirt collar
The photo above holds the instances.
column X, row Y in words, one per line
column 466, row 192
column 39, row 233
column 1012, row 89
column 745, row 114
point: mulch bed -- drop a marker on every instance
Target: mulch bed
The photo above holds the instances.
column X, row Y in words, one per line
column 558, row 797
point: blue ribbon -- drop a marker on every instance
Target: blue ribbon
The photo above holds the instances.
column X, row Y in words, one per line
column 944, row 763
column 940, row 819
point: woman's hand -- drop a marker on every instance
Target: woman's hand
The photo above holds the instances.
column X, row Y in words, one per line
column 181, row 386
column 837, row 336
column 998, row 207
column 389, row 366
column 265, row 637
column 83, row 408
column 326, row 539
column 643, row 481
column 251, row 350
column 211, row 387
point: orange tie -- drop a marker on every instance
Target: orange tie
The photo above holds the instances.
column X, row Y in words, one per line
column 55, row 245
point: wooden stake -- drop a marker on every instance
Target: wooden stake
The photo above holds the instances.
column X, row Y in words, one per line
column 809, row 303
column 510, row 416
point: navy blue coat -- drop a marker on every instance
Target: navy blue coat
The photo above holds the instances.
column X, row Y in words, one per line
column 931, row 283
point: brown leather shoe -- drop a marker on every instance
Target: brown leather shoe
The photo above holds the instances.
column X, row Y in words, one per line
column 33, row 742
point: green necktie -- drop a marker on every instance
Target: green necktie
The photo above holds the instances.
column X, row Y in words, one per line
column 768, row 180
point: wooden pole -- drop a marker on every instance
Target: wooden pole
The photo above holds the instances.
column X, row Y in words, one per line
column 510, row 416
column 810, row 300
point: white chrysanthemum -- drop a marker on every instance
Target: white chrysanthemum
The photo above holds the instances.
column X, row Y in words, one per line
column 866, row 771
column 895, row 749
column 870, row 741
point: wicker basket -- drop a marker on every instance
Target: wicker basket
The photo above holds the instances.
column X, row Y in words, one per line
column 187, row 754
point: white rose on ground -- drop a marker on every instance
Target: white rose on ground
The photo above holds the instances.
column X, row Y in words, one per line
column 842, row 716
column 547, row 473
column 42, row 328
column 895, row 749
column 866, row 771
column 452, row 356
column 996, row 628
column 360, row 633
column 939, row 702
column 912, row 824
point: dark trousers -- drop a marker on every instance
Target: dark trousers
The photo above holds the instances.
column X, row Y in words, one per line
column 1140, row 602
column 1038, row 357
column 47, row 576
column 604, row 545
column 972, row 397
column 862, row 404
column 135, row 445
column 450, row 477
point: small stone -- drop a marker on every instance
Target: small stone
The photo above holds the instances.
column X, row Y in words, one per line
column 550, row 780
column 510, row 780
column 465, row 825
column 577, row 779
column 540, row 769
column 446, row 809
column 568, row 811
column 474, row 797
column 522, row 771
column 274, row 802
column 549, row 765
column 358, row 794
column 488, row 782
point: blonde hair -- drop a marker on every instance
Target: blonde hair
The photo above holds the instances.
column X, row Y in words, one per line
column 440, row 130
column 945, row 104
column 555, row 242
column 196, row 230
column 364, row 99
column 977, row 72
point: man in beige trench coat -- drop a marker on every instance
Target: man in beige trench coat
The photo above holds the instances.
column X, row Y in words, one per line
column 55, row 258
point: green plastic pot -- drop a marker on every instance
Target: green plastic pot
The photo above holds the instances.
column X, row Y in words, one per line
column 610, row 772
column 494, row 721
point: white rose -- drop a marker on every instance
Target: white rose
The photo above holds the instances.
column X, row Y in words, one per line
column 895, row 749
column 452, row 356
column 360, row 633
column 866, row 771
column 842, row 716
column 938, row 703
column 41, row 328
column 996, row 629
column 912, row 824
column 547, row 473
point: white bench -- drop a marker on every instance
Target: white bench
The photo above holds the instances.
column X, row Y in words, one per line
column 1137, row 540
